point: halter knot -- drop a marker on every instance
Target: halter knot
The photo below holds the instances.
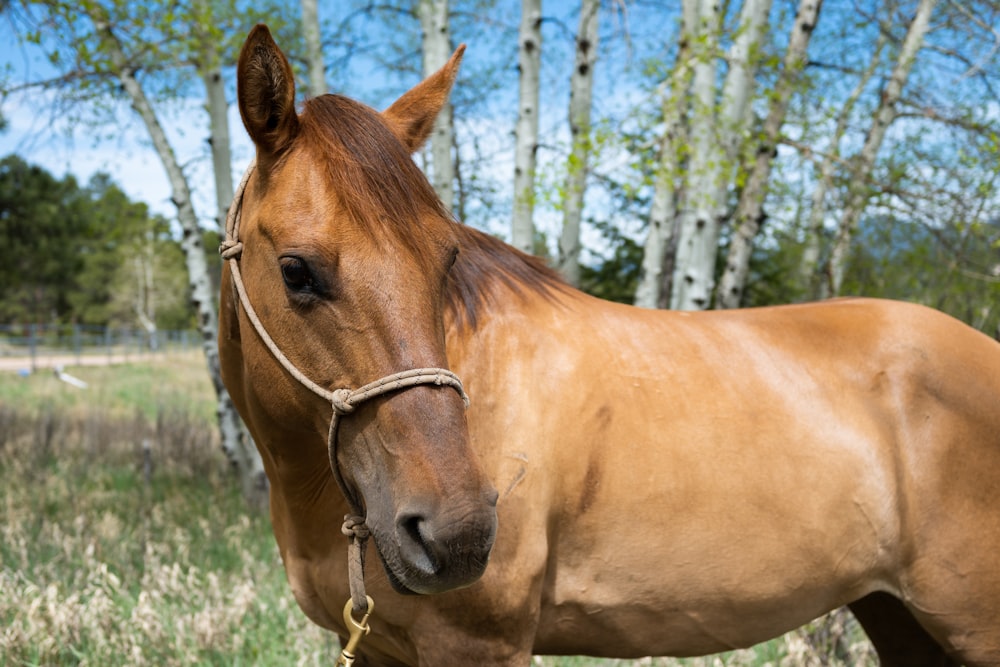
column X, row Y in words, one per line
column 231, row 249
column 341, row 401
column 355, row 527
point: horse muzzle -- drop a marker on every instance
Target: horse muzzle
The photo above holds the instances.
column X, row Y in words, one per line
column 437, row 551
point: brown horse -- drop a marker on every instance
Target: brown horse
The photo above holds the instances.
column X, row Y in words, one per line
column 624, row 482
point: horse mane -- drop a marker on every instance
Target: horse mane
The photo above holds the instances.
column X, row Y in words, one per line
column 378, row 182
column 485, row 264
column 370, row 170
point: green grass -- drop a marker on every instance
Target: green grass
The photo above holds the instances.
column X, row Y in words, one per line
column 172, row 382
column 105, row 561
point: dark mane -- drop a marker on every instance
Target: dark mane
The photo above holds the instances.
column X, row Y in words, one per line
column 485, row 264
column 378, row 182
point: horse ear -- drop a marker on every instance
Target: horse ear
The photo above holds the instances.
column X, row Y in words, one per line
column 265, row 89
column 412, row 116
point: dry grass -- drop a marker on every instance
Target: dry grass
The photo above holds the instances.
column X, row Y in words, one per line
column 110, row 555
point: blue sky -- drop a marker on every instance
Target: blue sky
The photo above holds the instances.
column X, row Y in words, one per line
column 121, row 147
column 629, row 38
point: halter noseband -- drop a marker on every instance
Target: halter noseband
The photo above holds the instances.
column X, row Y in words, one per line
column 343, row 401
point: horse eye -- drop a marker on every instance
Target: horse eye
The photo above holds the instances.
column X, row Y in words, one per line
column 296, row 274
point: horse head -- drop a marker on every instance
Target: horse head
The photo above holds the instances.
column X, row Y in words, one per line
column 345, row 252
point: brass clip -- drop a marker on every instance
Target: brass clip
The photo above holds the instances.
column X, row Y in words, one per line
column 356, row 630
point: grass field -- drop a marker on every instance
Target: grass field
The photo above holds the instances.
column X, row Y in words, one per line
column 123, row 541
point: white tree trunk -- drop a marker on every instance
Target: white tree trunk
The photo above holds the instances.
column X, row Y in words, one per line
column 529, row 61
column 699, row 224
column 218, row 128
column 663, row 210
column 743, row 57
column 662, row 215
column 314, row 49
column 809, row 263
column 863, row 162
column 580, row 96
column 243, row 456
column 145, row 299
column 717, row 139
column 437, row 48
column 749, row 211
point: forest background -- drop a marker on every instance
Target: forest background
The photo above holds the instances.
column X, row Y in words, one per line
column 690, row 154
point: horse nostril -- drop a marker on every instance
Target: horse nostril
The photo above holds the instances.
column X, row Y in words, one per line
column 443, row 550
column 415, row 544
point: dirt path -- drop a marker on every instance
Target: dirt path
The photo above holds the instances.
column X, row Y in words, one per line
column 48, row 362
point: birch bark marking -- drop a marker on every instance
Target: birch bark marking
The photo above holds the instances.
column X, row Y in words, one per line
column 314, row 49
column 749, row 210
column 240, row 453
column 529, row 64
column 580, row 95
column 663, row 209
column 436, row 49
column 863, row 162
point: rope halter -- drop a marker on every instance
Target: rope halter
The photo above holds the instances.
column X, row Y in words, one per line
column 343, row 401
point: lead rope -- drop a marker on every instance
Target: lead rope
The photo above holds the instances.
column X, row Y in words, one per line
column 343, row 402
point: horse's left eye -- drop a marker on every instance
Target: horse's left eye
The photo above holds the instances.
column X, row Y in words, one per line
column 296, row 275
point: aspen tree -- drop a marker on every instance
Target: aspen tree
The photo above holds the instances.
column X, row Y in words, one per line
column 716, row 137
column 238, row 449
column 655, row 273
column 314, row 49
column 750, row 209
column 529, row 63
column 436, row 47
column 580, row 96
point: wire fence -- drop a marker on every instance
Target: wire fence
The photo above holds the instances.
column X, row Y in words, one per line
column 28, row 347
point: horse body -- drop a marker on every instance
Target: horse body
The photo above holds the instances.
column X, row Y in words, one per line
column 708, row 481
column 644, row 482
